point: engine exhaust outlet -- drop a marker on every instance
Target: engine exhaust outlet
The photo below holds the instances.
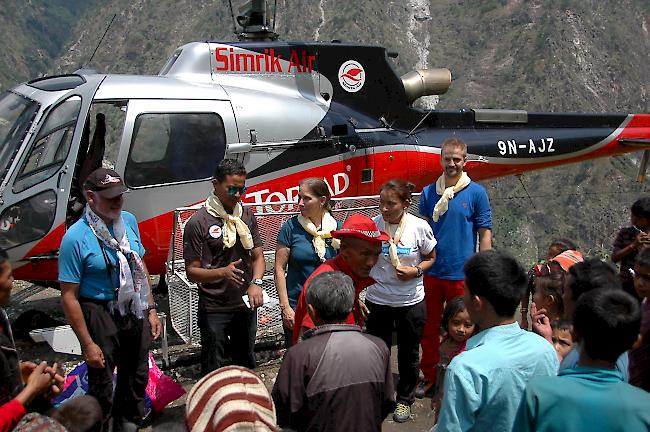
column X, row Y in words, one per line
column 426, row 82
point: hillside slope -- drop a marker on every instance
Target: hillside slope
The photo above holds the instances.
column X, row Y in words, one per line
column 33, row 34
column 539, row 55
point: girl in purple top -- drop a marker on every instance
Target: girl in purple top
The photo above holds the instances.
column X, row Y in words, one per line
column 458, row 328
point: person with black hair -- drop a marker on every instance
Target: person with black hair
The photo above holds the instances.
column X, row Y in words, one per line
column 79, row 414
column 396, row 299
column 562, row 338
column 484, row 385
column 591, row 274
column 639, row 368
column 457, row 328
column 632, row 240
column 593, row 395
column 223, row 254
column 588, row 275
column 337, row 378
column 548, row 294
column 20, row 382
column 556, row 247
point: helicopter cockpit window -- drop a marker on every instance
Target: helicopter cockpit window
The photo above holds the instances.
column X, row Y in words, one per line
column 174, row 147
column 16, row 116
column 27, row 220
column 50, row 148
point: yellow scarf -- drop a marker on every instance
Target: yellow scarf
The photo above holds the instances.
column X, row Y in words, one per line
column 328, row 224
column 447, row 193
column 394, row 240
column 232, row 223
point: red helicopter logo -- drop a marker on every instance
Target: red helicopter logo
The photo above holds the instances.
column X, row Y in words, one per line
column 352, row 76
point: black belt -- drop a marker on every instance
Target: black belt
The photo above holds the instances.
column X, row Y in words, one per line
column 94, row 301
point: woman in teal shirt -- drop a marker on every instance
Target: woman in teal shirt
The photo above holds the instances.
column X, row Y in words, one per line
column 304, row 242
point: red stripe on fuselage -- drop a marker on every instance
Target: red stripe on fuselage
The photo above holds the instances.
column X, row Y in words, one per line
column 344, row 179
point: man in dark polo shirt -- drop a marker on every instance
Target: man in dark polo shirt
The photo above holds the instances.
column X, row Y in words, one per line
column 223, row 255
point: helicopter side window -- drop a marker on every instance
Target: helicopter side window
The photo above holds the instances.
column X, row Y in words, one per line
column 174, row 147
column 50, row 148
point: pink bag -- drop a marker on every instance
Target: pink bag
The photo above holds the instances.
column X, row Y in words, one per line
column 161, row 389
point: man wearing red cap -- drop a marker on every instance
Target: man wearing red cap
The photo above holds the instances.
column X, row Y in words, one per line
column 360, row 249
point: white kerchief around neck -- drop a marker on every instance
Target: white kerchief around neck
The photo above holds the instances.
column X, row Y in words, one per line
column 133, row 293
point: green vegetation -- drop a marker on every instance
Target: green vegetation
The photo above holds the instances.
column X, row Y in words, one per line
column 550, row 55
column 34, row 35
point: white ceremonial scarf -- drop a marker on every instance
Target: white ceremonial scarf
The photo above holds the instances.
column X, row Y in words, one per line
column 394, row 239
column 447, row 193
column 232, row 223
column 328, row 224
column 133, row 294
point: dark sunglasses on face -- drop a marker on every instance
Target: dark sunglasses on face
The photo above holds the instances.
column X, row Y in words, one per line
column 232, row 190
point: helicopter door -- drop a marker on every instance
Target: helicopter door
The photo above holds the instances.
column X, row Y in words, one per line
column 169, row 149
column 35, row 200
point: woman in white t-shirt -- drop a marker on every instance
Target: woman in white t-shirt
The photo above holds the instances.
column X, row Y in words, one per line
column 396, row 300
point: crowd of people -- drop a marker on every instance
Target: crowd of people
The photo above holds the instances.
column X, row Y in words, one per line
column 577, row 359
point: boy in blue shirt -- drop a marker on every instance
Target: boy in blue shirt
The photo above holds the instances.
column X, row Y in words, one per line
column 483, row 385
column 593, row 395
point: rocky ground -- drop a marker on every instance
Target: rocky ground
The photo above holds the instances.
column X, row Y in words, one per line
column 27, row 297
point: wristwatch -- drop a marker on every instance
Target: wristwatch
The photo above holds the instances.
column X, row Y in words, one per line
column 258, row 282
column 420, row 271
column 153, row 306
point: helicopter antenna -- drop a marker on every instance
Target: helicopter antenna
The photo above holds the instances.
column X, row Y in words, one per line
column 526, row 190
column 232, row 14
column 275, row 10
column 419, row 123
column 102, row 39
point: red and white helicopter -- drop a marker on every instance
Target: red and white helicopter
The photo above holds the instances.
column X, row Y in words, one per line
column 288, row 110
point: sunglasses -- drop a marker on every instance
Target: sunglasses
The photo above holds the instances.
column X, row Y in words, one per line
column 233, row 190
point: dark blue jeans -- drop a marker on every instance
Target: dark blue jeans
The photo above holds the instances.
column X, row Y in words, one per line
column 226, row 334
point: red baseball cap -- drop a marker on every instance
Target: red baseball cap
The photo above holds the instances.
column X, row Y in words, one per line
column 362, row 227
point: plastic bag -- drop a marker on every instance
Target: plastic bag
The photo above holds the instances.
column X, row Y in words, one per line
column 161, row 389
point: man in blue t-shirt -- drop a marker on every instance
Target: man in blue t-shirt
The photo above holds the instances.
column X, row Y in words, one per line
column 458, row 211
column 107, row 300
